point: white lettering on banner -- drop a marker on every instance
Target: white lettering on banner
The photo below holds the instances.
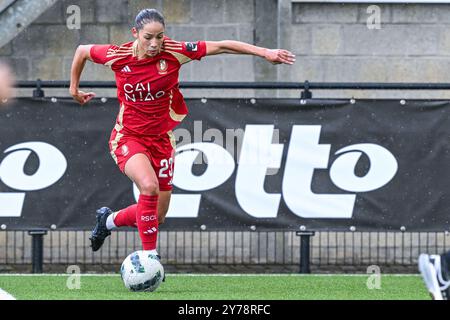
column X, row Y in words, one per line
column 52, row 166
column 304, row 156
column 11, row 204
column 219, row 170
column 220, row 167
column 383, row 167
column 181, row 205
column 258, row 154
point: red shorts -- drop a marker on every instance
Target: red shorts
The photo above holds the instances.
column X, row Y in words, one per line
column 159, row 149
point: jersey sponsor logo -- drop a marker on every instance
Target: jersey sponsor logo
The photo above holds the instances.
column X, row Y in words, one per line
column 191, row 46
column 162, row 66
column 126, row 69
column 140, row 92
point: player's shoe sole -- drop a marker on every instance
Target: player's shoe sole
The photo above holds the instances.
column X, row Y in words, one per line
column 100, row 232
column 429, row 276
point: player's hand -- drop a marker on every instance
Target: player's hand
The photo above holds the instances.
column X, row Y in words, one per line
column 82, row 97
column 277, row 56
column 6, row 83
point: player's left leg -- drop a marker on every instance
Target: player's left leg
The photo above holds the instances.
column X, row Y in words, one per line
column 123, row 218
column 106, row 219
column 127, row 217
column 100, row 231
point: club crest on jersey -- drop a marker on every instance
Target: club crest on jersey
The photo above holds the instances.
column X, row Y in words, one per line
column 162, row 66
column 125, row 150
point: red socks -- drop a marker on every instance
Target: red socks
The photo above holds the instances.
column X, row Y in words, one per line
column 126, row 217
column 147, row 220
column 144, row 216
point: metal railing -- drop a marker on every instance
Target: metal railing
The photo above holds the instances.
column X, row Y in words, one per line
column 306, row 86
column 232, row 251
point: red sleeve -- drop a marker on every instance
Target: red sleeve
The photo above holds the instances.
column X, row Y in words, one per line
column 99, row 53
column 187, row 50
column 194, row 50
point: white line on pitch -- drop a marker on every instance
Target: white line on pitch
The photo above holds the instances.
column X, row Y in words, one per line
column 5, row 295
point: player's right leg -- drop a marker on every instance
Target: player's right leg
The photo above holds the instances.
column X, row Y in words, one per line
column 435, row 274
column 139, row 169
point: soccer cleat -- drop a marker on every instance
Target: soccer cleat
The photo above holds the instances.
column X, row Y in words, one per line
column 100, row 232
column 432, row 269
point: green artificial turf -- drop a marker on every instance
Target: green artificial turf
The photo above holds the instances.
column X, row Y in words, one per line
column 219, row 287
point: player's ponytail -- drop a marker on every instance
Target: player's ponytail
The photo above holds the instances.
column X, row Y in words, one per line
column 146, row 16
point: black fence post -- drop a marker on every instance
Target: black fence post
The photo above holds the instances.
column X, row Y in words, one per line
column 306, row 94
column 37, row 250
column 38, row 92
column 305, row 246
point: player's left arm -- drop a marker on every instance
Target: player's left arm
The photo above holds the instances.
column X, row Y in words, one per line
column 275, row 56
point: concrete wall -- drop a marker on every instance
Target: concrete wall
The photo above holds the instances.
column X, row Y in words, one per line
column 332, row 42
column 45, row 49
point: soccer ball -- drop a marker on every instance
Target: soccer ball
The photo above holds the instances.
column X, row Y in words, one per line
column 142, row 271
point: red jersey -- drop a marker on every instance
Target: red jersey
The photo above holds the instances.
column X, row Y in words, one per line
column 148, row 89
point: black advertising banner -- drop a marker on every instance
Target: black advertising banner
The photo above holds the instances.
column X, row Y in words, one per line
column 248, row 164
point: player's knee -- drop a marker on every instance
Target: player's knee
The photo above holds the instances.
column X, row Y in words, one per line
column 149, row 187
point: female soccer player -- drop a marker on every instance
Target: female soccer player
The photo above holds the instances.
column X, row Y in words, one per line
column 151, row 105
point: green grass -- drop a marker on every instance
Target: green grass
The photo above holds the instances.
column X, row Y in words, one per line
column 219, row 287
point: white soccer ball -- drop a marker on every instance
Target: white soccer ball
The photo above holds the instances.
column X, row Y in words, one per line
column 142, row 271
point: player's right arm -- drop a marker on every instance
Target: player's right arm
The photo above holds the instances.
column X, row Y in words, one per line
column 79, row 60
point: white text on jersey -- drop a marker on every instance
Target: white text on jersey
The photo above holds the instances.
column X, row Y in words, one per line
column 140, row 92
